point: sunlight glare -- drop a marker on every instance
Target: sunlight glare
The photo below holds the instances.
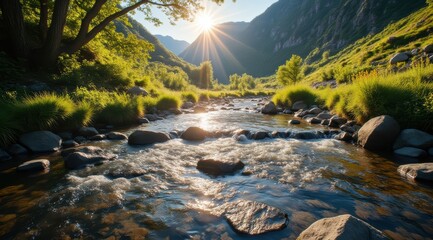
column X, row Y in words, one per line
column 204, row 21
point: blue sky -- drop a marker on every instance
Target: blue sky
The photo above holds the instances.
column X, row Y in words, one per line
column 241, row 10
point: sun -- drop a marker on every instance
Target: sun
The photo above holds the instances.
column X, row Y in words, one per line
column 204, row 21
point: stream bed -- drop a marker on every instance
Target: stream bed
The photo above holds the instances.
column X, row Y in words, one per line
column 156, row 191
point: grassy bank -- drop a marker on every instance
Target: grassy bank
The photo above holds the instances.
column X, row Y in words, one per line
column 407, row 96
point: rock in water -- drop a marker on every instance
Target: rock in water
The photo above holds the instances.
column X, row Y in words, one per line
column 194, row 134
column 254, row 218
column 88, row 131
column 343, row 227
column 140, row 137
column 294, row 122
column 41, row 141
column 378, row 133
column 299, row 105
column 269, row 108
column 78, row 160
column 34, row 165
column 411, row 152
column 414, row 138
column 260, row 135
column 417, row 171
column 16, row 149
column 217, row 168
column 116, row 136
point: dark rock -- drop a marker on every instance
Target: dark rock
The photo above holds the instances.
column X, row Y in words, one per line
column 143, row 120
column 34, row 165
column 294, row 122
column 306, row 135
column 378, row 133
column 116, row 136
column 217, row 168
column 336, row 122
column 411, row 152
column 260, row 135
column 246, row 173
column 98, row 137
column 187, row 105
column 242, row 132
column 16, row 150
column 241, row 138
column 88, row 131
column 254, row 218
column 314, row 120
column 347, row 128
column 287, row 111
column 194, row 134
column 80, row 139
column 84, row 149
column 344, row 136
column 399, row 57
column 4, row 156
column 417, row 171
column 276, row 134
column 65, row 136
column 414, row 138
column 324, row 115
column 315, row 111
column 173, row 134
column 140, row 137
column 325, row 122
column 299, row 105
column 200, row 109
column 41, row 141
column 269, row 108
column 343, row 227
column 77, row 160
column 152, row 117
column 137, row 91
column 301, row 113
column 175, row 111
column 430, row 151
column 69, row 144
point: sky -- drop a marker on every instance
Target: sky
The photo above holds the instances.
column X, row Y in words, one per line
column 241, row 10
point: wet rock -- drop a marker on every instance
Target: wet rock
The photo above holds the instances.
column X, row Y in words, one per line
column 343, row 227
column 294, row 122
column 414, row 138
column 417, row 171
column 77, row 160
column 175, row 111
column 347, row 128
column 336, row 122
column 173, row 134
column 98, row 137
column 260, row 135
column 152, row 117
column 65, row 135
column 254, row 218
column 269, row 108
column 140, row 137
column 241, row 138
column 143, row 121
column 116, row 136
column 84, row 149
column 301, row 113
column 4, row 156
column 126, row 173
column 17, row 150
column 246, row 173
column 411, row 152
column 194, row 134
column 277, row 134
column 324, row 116
column 69, row 144
column 34, row 165
column 41, row 141
column 325, row 122
column 137, row 91
column 399, row 57
column 88, row 131
column 200, row 109
column 187, row 105
column 344, row 136
column 315, row 111
column 378, row 133
column 314, row 120
column 287, row 111
column 299, row 105
column 306, row 135
column 218, row 168
column 80, row 139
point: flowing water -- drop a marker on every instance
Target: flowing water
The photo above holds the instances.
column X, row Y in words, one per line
column 156, row 191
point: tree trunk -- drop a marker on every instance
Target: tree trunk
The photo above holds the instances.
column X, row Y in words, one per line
column 14, row 22
column 43, row 19
column 51, row 48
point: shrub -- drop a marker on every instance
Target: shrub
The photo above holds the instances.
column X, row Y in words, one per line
column 204, row 96
column 166, row 102
column 292, row 94
column 81, row 116
column 149, row 104
column 121, row 110
column 189, row 97
column 9, row 127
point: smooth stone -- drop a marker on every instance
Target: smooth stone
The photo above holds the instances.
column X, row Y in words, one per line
column 140, row 137
column 301, row 113
column 294, row 122
column 152, row 117
column 324, row 116
column 77, row 160
column 34, row 165
column 299, row 105
column 143, row 120
column 336, row 122
column 84, row 149
column 88, row 131
column 187, row 105
column 16, row 150
column 116, row 136
column 41, row 141
column 417, row 171
column 98, row 137
column 241, row 138
column 306, row 135
column 287, row 111
column 260, row 135
column 314, row 120
column 194, row 134
column 217, row 168
column 269, row 108
column 347, row 128
column 413, row 138
column 343, row 227
column 344, row 136
column 411, row 152
column 378, row 133
column 399, row 57
column 254, row 218
column 315, row 111
column 325, row 122
column 69, row 143
column 199, row 109
column 4, row 156
column 137, row 91
column 242, row 132
column 65, row 135
column 80, row 139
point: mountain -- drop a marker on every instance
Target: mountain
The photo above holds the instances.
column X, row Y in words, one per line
column 176, row 46
column 297, row 27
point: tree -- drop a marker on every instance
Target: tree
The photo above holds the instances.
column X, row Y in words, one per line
column 206, row 74
column 291, row 72
column 91, row 17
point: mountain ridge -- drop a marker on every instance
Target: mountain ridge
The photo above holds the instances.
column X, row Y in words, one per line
column 174, row 45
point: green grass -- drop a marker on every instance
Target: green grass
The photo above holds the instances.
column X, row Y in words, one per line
column 166, row 102
column 291, row 94
column 189, row 96
column 9, row 127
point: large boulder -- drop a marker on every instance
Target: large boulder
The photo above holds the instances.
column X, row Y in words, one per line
column 417, row 171
column 378, row 133
column 260, row 135
column 414, row 138
column 77, row 160
column 324, row 115
column 34, row 165
column 17, row 150
column 116, row 136
column 343, row 227
column 194, row 134
column 141, row 137
column 217, row 168
column 88, row 131
column 41, row 141
column 336, row 121
column 399, row 57
column 299, row 105
column 4, row 156
column 254, row 217
column 269, row 108
column 411, row 152
column 137, row 91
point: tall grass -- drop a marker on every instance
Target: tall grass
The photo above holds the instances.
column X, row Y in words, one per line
column 9, row 127
column 291, row 94
column 189, row 96
column 166, row 102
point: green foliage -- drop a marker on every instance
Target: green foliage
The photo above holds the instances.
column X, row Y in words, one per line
column 166, row 102
column 173, row 78
column 291, row 72
column 9, row 69
column 189, row 96
column 9, row 127
column 242, row 83
column 291, row 94
column 202, row 77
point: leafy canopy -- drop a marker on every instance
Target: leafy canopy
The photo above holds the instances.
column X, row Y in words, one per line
column 291, row 72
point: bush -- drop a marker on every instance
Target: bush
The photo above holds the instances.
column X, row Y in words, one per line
column 121, row 110
column 166, row 102
column 204, row 96
column 81, row 116
column 289, row 95
column 9, row 127
column 189, row 97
